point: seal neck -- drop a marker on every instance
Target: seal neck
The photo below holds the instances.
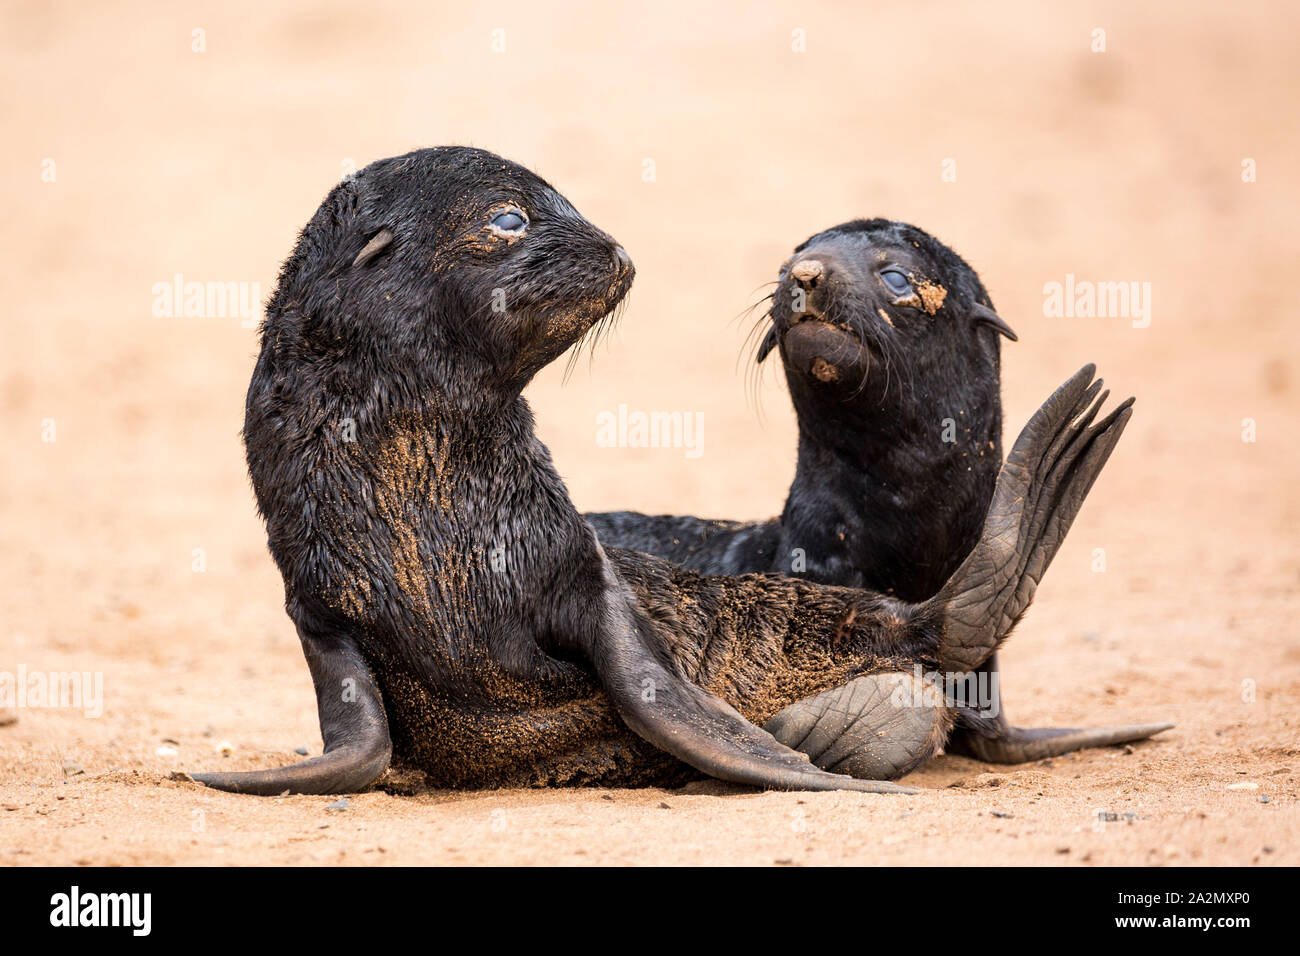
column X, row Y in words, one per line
column 895, row 494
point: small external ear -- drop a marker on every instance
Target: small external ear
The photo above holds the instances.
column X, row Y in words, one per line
column 985, row 315
column 768, row 343
column 378, row 243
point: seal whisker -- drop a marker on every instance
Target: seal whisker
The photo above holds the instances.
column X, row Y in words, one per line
column 752, row 306
column 753, row 339
column 752, row 343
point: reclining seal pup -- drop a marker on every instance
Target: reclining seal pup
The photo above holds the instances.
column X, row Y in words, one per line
column 891, row 352
column 457, row 614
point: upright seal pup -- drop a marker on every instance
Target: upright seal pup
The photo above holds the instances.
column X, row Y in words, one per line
column 891, row 351
column 457, row 614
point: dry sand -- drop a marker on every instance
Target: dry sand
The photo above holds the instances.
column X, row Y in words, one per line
column 1123, row 165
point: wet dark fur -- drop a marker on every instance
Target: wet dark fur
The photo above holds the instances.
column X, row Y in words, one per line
column 878, row 500
column 414, row 513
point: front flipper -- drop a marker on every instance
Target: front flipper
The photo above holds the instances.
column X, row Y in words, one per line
column 690, row 723
column 352, row 722
column 874, row 727
column 1022, row 744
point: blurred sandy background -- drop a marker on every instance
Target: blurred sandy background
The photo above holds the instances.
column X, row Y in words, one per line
column 1124, row 165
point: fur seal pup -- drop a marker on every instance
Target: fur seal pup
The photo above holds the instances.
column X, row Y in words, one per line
column 888, row 339
column 460, row 618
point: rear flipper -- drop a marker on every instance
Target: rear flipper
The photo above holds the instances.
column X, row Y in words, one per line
column 875, row 727
column 1021, row 744
column 1039, row 491
column 993, row 740
column 688, row 722
column 353, row 725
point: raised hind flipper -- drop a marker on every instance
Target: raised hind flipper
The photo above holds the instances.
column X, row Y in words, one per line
column 690, row 723
column 1039, row 491
column 353, row 725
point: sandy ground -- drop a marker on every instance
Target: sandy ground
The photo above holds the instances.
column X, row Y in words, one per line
column 1124, row 165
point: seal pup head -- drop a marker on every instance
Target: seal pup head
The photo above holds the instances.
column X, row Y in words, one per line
column 447, row 268
column 875, row 299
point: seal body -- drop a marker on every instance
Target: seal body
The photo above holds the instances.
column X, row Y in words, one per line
column 899, row 414
column 891, row 351
column 459, row 616
column 454, row 558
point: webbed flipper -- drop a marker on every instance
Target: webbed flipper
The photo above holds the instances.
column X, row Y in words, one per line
column 1022, row 744
column 1039, row 492
column 353, row 726
column 984, row 733
column 691, row 724
column 874, row 727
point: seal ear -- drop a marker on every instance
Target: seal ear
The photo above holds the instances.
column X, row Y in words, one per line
column 768, row 343
column 377, row 244
column 982, row 314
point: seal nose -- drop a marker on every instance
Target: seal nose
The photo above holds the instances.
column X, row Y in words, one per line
column 624, row 261
column 808, row 272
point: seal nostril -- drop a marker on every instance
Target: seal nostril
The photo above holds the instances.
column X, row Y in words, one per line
column 622, row 259
column 807, row 272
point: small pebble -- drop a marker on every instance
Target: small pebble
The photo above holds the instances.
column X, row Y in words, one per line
column 338, row 805
column 1263, row 798
column 167, row 752
column 300, row 751
column 1243, row 786
column 72, row 768
column 1002, row 814
column 225, row 748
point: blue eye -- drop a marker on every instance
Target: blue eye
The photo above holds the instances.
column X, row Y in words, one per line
column 895, row 282
column 512, row 220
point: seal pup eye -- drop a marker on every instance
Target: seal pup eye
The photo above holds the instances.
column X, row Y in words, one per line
column 511, row 222
column 895, row 282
